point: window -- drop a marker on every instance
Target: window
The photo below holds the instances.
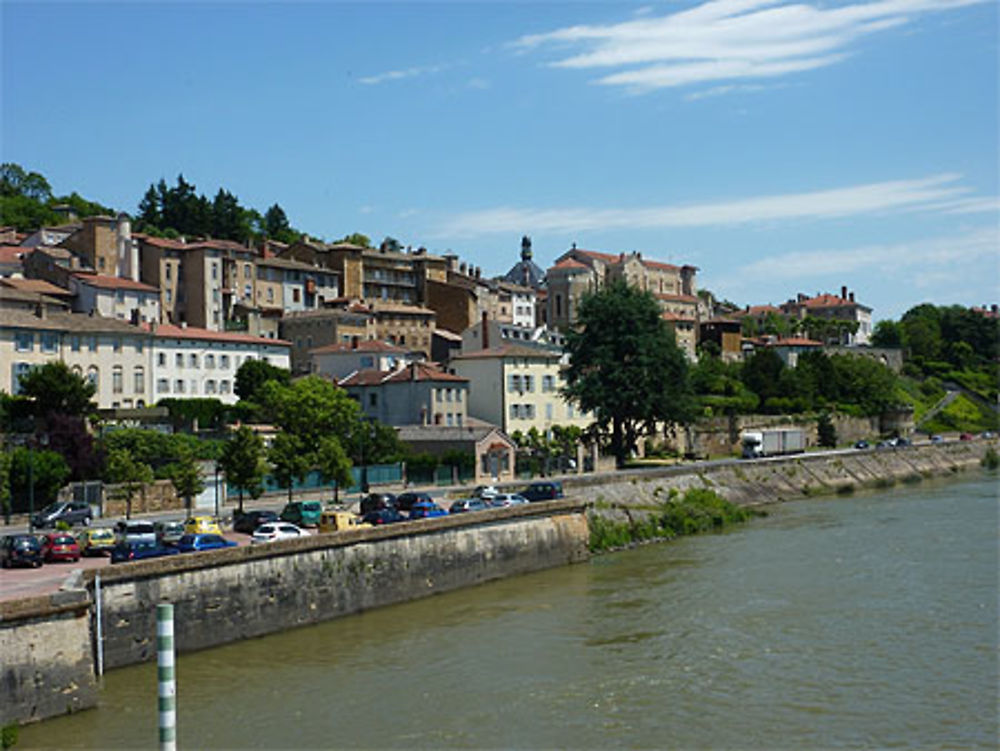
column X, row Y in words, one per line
column 570, row 411
column 451, row 419
column 116, row 344
column 179, row 385
column 20, row 370
column 139, row 380
column 558, row 306
column 209, row 361
column 93, row 344
column 448, row 395
column 179, row 360
column 74, row 344
column 24, row 341
column 161, row 359
column 270, row 294
column 548, row 383
column 167, row 271
column 223, row 387
column 529, row 383
column 458, row 395
column 215, row 269
column 139, row 346
column 50, row 341
column 373, row 399
column 170, row 297
column 117, row 380
column 514, row 383
column 548, row 410
column 295, row 295
column 119, row 296
column 215, row 296
column 247, row 291
column 94, row 376
column 247, row 273
column 225, row 361
column 193, row 360
column 210, row 386
column 194, row 386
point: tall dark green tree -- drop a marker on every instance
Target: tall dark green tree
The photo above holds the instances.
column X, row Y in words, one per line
column 242, row 462
column 625, row 366
column 253, row 374
column 185, row 475
column 762, row 373
column 55, row 389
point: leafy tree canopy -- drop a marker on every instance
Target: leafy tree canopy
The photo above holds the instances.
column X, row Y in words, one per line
column 625, row 367
column 27, row 201
column 55, row 389
column 253, row 374
column 242, row 462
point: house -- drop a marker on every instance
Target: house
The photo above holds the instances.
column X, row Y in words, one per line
column 526, row 272
column 106, row 244
column 578, row 271
column 493, row 450
column 191, row 362
column 37, row 287
column 407, row 326
column 726, row 333
column 111, row 354
column 830, row 307
column 489, row 331
column 12, row 260
column 308, row 330
column 416, row 394
column 336, row 361
column 115, row 297
column 302, row 286
column 517, row 387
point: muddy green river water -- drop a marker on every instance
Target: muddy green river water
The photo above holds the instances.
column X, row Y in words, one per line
column 846, row 622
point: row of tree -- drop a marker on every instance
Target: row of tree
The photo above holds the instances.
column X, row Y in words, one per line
column 826, row 330
column 27, row 201
column 934, row 334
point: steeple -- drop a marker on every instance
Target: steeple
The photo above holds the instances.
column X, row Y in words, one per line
column 525, row 248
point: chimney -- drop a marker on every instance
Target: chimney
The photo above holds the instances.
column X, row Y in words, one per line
column 851, row 297
column 486, row 331
column 479, row 272
column 41, row 311
column 843, row 292
column 993, row 307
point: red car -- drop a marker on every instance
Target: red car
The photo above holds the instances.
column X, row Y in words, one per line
column 965, row 437
column 59, row 546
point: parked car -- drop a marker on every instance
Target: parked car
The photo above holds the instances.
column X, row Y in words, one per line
column 135, row 531
column 20, row 550
column 96, row 540
column 468, row 504
column 383, row 516
column 965, row 437
column 303, row 513
column 168, row 532
column 60, row 546
column 249, row 521
column 426, row 510
column 199, row 542
column 334, row 520
column 486, row 492
column 902, row 442
column 937, row 439
column 989, row 434
column 862, row 444
column 405, row 501
column 272, row 531
column 507, row 499
column 543, row 490
column 124, row 552
column 201, row 525
column 377, row 502
column 71, row 512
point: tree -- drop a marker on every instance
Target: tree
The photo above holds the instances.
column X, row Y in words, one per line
column 36, row 472
column 392, row 245
column 185, row 474
column 255, row 373
column 762, row 373
column 122, row 469
column 55, row 389
column 242, row 462
column 625, row 367
column 887, row 334
column 825, row 431
column 290, row 460
column 356, row 238
column 333, row 463
column 5, row 494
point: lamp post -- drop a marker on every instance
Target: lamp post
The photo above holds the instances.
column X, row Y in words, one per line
column 216, row 488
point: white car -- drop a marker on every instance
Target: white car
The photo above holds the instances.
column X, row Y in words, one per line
column 486, row 492
column 272, row 531
column 507, row 499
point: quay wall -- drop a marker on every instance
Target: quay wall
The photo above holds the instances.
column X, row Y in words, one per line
column 631, row 494
column 46, row 657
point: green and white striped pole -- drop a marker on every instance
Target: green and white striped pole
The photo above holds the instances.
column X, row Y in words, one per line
column 165, row 675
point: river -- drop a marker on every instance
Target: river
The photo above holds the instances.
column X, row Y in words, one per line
column 846, row 622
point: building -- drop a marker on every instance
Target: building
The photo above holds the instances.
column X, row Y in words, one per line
column 526, row 273
column 189, row 362
column 297, row 286
column 493, row 450
column 517, row 387
column 106, row 244
column 336, row 361
column 115, row 297
column 833, row 308
column 416, row 394
column 111, row 354
column 309, row 330
column 407, row 326
column 727, row 335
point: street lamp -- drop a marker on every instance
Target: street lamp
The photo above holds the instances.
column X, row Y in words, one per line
column 216, row 488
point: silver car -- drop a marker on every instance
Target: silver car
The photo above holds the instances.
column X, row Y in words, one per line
column 140, row 533
column 507, row 499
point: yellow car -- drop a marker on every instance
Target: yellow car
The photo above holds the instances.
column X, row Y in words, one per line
column 201, row 525
column 96, row 541
column 335, row 521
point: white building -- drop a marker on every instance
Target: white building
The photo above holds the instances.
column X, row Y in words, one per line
column 115, row 297
column 190, row 362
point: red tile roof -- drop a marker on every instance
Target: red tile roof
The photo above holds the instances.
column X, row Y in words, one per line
column 13, row 253
column 826, row 300
column 39, row 286
column 660, row 265
column 569, row 263
column 114, row 282
column 508, row 350
column 417, row 371
column 671, row 316
column 368, row 345
column 794, row 341
column 169, row 331
column 677, row 298
column 756, row 310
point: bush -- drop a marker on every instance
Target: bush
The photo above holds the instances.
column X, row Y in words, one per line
column 990, row 459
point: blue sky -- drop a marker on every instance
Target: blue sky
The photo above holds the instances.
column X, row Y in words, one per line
column 781, row 147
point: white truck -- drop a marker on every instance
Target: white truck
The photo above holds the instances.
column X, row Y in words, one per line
column 772, row 442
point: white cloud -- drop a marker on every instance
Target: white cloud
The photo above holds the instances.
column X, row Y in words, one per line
column 726, row 40
column 396, row 75
column 929, row 193
column 915, row 262
column 722, row 90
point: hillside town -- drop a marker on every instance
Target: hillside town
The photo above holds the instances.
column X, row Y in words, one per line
column 420, row 340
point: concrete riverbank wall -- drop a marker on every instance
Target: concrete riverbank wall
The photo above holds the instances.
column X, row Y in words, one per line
column 632, row 493
column 48, row 644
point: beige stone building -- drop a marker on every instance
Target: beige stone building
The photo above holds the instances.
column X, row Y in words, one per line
column 312, row 329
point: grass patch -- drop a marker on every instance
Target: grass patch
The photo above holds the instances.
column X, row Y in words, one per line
column 697, row 511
